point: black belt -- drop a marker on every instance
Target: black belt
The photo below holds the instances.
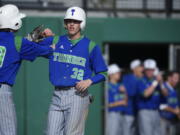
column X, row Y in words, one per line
column 63, row 87
column 1, row 83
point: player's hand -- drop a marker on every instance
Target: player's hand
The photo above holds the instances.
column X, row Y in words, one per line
column 83, row 85
column 177, row 111
column 122, row 89
column 47, row 33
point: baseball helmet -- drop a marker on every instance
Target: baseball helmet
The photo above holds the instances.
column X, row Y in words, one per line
column 113, row 68
column 10, row 17
column 76, row 13
column 150, row 64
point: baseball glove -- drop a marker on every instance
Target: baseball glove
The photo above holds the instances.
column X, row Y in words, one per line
column 37, row 34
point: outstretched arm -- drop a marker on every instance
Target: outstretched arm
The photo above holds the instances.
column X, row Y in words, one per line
column 30, row 50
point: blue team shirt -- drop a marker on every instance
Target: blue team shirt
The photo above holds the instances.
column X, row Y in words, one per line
column 10, row 58
column 151, row 102
column 115, row 95
column 70, row 64
column 171, row 100
column 130, row 82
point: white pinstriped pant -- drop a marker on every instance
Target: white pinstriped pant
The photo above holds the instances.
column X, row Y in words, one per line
column 8, row 122
column 149, row 122
column 114, row 123
column 67, row 113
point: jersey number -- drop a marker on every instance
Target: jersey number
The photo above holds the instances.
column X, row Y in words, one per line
column 78, row 74
column 2, row 55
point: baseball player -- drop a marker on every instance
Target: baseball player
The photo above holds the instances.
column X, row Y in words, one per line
column 11, row 55
column 169, row 109
column 117, row 100
column 130, row 82
column 71, row 66
column 148, row 100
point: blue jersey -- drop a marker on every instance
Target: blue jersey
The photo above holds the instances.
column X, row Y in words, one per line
column 130, row 82
column 10, row 57
column 115, row 95
column 70, row 63
column 152, row 102
column 171, row 100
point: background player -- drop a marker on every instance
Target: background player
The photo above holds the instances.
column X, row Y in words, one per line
column 148, row 100
column 10, row 60
column 117, row 101
column 130, row 82
column 71, row 66
column 170, row 112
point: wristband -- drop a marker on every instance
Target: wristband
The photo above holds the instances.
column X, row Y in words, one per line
column 155, row 83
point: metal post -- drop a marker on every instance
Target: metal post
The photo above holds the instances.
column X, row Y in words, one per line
column 114, row 8
column 168, row 7
column 144, row 4
column 106, row 57
column 171, row 57
column 84, row 4
column 0, row 2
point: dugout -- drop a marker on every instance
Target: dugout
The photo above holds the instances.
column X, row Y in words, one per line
column 33, row 91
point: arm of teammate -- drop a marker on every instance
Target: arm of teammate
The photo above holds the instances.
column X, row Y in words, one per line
column 98, row 66
column 122, row 102
column 165, row 107
column 144, row 91
column 30, row 50
column 118, row 103
column 149, row 91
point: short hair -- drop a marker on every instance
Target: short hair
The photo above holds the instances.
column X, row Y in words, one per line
column 171, row 73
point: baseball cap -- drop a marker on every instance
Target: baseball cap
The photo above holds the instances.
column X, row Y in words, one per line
column 150, row 64
column 113, row 68
column 135, row 63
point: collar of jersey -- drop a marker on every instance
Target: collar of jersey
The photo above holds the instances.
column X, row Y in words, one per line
column 9, row 34
column 149, row 79
column 75, row 41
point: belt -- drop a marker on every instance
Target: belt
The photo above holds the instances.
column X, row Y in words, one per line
column 1, row 83
column 80, row 93
column 63, row 88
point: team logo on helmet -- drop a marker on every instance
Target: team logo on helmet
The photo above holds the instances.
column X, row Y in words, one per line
column 73, row 10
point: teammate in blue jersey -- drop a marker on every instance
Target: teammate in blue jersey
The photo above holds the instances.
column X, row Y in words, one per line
column 10, row 61
column 130, row 82
column 71, row 68
column 148, row 100
column 117, row 100
column 169, row 109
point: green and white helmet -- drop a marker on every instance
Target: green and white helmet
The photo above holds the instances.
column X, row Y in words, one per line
column 76, row 13
column 10, row 17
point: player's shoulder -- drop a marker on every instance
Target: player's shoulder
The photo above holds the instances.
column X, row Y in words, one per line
column 92, row 45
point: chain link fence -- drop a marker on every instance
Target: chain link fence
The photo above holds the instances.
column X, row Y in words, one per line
column 166, row 6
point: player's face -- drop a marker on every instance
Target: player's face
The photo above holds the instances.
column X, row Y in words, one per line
column 149, row 73
column 139, row 71
column 116, row 76
column 174, row 79
column 73, row 27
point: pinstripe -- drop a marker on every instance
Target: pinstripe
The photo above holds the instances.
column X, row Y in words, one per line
column 8, row 124
column 67, row 113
